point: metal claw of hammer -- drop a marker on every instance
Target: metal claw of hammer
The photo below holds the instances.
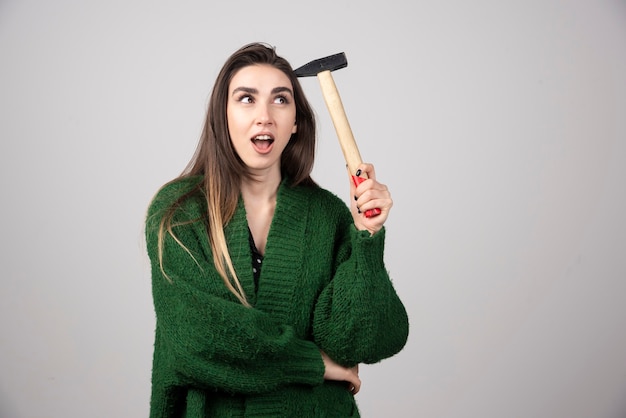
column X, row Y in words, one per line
column 322, row 69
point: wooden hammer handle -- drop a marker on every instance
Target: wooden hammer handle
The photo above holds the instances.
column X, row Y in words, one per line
column 344, row 132
column 340, row 120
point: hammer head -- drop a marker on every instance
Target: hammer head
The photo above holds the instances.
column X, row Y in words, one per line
column 330, row 63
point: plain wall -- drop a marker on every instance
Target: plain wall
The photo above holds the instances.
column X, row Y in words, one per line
column 499, row 127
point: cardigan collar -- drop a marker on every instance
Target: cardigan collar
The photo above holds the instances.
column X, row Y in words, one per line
column 283, row 252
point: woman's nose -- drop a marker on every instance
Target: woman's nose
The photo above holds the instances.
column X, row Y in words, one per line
column 264, row 115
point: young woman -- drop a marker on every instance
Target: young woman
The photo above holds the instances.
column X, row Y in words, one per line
column 268, row 290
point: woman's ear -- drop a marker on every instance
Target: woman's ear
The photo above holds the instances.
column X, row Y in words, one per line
column 295, row 128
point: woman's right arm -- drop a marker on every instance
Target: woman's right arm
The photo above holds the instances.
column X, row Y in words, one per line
column 209, row 342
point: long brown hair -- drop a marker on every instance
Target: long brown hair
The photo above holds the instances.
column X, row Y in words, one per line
column 221, row 169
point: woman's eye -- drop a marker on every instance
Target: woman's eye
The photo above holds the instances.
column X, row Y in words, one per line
column 281, row 100
column 245, row 99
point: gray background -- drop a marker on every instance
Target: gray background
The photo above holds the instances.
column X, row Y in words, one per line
column 498, row 125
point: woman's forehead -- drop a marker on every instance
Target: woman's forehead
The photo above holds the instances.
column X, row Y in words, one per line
column 260, row 77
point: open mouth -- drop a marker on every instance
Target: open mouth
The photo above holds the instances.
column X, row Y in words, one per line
column 262, row 142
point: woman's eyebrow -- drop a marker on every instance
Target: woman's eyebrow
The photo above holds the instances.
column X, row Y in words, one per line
column 282, row 90
column 248, row 90
column 251, row 90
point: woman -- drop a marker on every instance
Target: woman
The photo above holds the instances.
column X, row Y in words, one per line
column 268, row 290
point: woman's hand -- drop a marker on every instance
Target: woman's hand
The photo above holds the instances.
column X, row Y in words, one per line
column 370, row 194
column 334, row 371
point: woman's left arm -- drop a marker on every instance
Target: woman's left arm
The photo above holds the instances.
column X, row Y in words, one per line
column 359, row 317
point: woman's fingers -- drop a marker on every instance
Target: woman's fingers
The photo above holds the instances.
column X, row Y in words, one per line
column 334, row 371
column 368, row 196
column 355, row 384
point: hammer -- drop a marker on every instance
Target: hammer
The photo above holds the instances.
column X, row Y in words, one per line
column 322, row 69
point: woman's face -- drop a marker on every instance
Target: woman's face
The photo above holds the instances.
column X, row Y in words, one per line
column 261, row 115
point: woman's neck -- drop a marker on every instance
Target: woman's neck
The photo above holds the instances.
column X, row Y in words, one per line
column 260, row 189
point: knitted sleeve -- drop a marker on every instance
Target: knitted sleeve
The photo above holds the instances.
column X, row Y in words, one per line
column 209, row 340
column 359, row 318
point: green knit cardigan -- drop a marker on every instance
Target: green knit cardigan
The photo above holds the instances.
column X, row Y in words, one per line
column 323, row 286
